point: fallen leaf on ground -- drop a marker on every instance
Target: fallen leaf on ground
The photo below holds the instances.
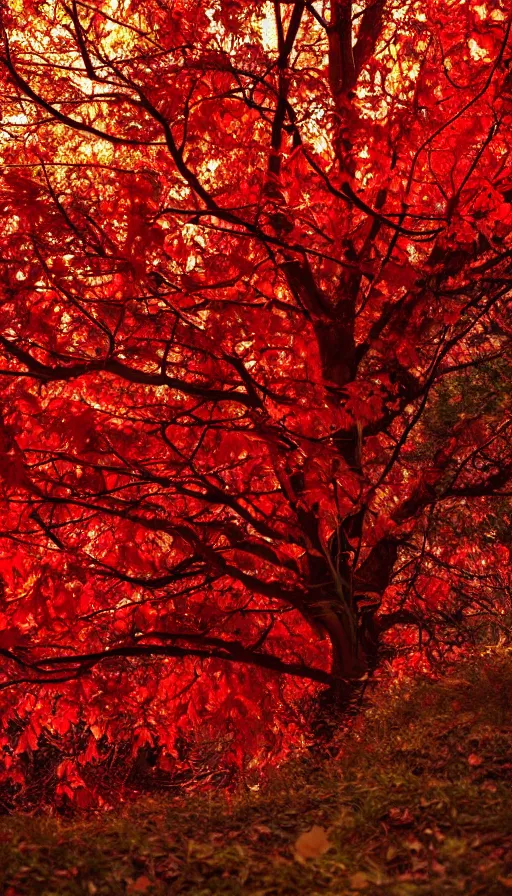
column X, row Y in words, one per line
column 141, row 885
column 474, row 760
column 358, row 881
column 398, row 816
column 312, row 843
column 437, row 868
column 261, row 829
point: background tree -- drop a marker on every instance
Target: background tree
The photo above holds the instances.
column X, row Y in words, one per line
column 255, row 336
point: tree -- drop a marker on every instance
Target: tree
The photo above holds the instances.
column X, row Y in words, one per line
column 256, row 265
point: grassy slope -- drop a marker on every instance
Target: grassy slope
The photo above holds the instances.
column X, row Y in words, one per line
column 419, row 805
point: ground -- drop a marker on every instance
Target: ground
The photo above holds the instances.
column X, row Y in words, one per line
column 416, row 803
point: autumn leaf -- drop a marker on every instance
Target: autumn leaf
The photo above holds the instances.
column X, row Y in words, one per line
column 140, row 885
column 312, row 843
column 358, row 881
column 400, row 817
column 474, row 760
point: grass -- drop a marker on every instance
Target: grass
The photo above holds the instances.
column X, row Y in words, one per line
column 417, row 804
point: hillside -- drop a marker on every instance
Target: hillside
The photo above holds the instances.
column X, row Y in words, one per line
column 416, row 803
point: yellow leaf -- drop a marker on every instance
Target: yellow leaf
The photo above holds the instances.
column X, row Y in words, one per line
column 312, row 843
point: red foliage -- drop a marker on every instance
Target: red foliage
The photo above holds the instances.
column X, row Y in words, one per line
column 255, row 338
